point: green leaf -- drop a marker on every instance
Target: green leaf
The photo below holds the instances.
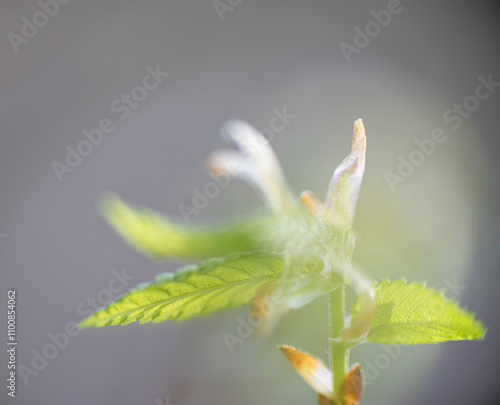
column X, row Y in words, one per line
column 412, row 314
column 221, row 283
column 155, row 235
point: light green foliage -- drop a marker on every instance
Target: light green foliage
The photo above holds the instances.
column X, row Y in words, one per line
column 412, row 314
column 157, row 236
column 288, row 258
column 215, row 284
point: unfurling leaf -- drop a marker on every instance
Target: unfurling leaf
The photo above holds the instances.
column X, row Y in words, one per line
column 311, row 369
column 412, row 314
column 221, row 283
column 155, row 235
column 255, row 162
column 343, row 192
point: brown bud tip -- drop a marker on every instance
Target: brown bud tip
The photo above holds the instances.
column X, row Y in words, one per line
column 322, row 400
column 310, row 201
column 311, row 369
column 353, row 385
column 359, row 128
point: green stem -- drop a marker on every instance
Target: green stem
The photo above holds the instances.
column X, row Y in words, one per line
column 339, row 352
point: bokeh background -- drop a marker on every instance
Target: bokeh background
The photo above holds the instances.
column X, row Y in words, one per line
column 441, row 224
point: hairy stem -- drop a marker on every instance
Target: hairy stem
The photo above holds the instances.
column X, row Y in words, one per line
column 339, row 352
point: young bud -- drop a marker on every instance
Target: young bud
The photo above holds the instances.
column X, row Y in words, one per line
column 354, row 384
column 255, row 162
column 310, row 201
column 340, row 204
column 311, row 369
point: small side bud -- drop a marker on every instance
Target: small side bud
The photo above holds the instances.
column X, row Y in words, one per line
column 267, row 307
column 311, row 369
column 354, row 384
column 322, row 400
column 311, row 202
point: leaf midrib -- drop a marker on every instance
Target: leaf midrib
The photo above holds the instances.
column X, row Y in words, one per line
column 194, row 294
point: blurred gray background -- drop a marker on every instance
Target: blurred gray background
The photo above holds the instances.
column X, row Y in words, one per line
column 441, row 224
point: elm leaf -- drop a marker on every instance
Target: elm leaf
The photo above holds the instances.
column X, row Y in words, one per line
column 412, row 314
column 221, row 283
column 159, row 237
